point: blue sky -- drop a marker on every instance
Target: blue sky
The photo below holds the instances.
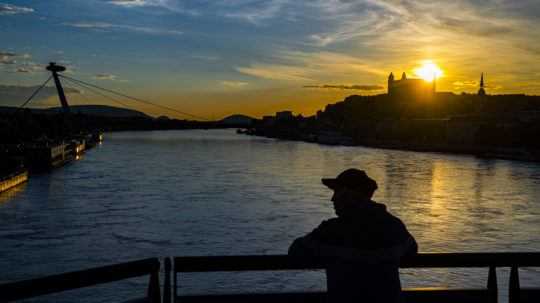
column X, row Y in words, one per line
column 215, row 58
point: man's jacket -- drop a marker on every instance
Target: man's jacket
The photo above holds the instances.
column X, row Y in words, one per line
column 369, row 230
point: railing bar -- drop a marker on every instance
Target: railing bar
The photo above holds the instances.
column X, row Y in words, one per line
column 73, row 280
column 283, row 262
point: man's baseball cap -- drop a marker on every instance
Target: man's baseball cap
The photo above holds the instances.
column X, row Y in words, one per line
column 351, row 178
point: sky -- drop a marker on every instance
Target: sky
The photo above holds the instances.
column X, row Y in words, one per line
column 214, row 58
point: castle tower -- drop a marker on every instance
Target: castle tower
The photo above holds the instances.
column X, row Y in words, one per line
column 482, row 91
column 390, row 83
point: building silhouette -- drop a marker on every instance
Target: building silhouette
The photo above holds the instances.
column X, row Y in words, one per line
column 410, row 87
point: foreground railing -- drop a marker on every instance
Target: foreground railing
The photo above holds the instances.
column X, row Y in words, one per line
column 73, row 280
column 84, row 278
column 489, row 261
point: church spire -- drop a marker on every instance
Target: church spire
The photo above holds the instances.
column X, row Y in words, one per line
column 482, row 80
column 482, row 91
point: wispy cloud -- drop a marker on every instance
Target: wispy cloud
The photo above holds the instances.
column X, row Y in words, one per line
column 351, row 87
column 8, row 57
column 206, row 57
column 168, row 5
column 30, row 68
column 312, row 67
column 10, row 9
column 234, row 84
column 382, row 23
column 276, row 72
column 129, row 3
column 253, row 12
column 109, row 77
column 461, row 84
column 111, row 26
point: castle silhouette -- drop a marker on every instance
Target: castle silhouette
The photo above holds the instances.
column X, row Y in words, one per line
column 418, row 87
column 410, row 87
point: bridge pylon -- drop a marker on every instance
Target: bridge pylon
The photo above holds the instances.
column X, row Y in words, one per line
column 55, row 69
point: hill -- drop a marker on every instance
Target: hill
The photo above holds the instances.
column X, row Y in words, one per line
column 104, row 111
column 91, row 110
column 237, row 120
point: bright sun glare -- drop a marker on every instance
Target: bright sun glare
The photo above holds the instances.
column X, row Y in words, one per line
column 428, row 71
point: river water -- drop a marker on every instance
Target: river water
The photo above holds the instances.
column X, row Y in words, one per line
column 213, row 192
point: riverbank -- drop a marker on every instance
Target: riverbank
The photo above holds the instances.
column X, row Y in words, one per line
column 337, row 138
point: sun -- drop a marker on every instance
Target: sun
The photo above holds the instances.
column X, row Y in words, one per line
column 429, row 71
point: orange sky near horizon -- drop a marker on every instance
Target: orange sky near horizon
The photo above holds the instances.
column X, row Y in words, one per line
column 216, row 58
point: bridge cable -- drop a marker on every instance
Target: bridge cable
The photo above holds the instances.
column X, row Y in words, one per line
column 33, row 94
column 135, row 99
column 98, row 92
column 95, row 91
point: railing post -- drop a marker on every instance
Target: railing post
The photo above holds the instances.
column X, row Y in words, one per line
column 154, row 295
column 175, row 281
column 492, row 285
column 167, row 285
column 513, row 287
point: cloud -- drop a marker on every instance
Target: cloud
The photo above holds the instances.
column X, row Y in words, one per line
column 29, row 67
column 352, row 87
column 414, row 23
column 9, row 58
column 14, row 95
column 19, row 63
column 234, row 84
column 352, row 20
column 254, row 13
column 110, row 26
column 8, row 54
column 10, row 9
column 168, row 5
column 313, row 66
column 276, row 72
column 129, row 3
column 471, row 84
column 461, row 84
column 205, row 57
column 105, row 77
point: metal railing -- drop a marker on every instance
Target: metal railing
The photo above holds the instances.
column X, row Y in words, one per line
column 433, row 260
column 100, row 275
column 72, row 280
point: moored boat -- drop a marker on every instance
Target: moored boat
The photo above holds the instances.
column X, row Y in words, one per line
column 13, row 178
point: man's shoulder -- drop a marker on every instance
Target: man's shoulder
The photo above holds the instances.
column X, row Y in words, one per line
column 328, row 229
column 329, row 223
column 384, row 214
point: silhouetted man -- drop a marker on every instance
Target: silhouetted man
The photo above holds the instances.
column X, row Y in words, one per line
column 366, row 241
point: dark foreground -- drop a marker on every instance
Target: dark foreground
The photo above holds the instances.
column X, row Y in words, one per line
column 181, row 265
